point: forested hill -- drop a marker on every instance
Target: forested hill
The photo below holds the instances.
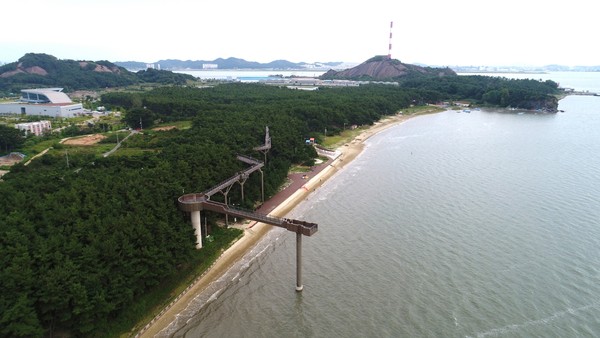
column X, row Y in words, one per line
column 43, row 70
column 382, row 68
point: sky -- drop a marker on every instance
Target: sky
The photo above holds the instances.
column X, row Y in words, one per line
column 431, row 32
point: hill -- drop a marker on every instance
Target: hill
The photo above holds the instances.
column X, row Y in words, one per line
column 43, row 70
column 380, row 68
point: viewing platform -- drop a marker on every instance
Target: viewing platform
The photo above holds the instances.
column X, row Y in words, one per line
column 199, row 202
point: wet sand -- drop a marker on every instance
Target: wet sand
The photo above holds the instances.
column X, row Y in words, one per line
column 279, row 205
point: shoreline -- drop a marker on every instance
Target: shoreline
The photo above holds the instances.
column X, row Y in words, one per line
column 348, row 152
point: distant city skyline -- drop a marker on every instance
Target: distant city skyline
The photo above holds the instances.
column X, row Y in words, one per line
column 438, row 33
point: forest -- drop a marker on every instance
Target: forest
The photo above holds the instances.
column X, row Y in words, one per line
column 85, row 237
column 494, row 91
column 10, row 138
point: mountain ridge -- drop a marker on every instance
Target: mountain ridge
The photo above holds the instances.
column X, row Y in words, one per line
column 225, row 63
column 43, row 70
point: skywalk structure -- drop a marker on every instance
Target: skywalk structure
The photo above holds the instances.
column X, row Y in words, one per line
column 196, row 202
column 265, row 147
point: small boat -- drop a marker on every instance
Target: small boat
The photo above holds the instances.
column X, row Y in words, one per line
column 466, row 110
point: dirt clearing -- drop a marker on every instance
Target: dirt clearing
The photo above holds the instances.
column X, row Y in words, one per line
column 85, row 140
column 164, row 128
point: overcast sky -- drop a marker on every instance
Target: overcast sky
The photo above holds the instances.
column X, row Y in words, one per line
column 433, row 32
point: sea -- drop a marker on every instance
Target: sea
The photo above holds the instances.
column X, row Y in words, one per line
column 250, row 75
column 480, row 224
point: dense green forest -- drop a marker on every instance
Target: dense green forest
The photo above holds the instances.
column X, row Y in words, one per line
column 488, row 90
column 43, row 70
column 84, row 237
column 10, row 138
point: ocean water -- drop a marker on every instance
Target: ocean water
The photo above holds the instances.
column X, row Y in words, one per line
column 484, row 224
column 249, row 75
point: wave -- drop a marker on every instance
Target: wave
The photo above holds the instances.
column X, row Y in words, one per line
column 514, row 328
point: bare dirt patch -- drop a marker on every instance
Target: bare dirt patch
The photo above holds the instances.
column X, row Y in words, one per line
column 80, row 94
column 11, row 159
column 85, row 140
column 164, row 128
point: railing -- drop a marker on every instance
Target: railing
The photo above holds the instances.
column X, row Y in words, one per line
column 261, row 148
column 197, row 202
column 247, row 213
column 256, row 164
column 249, row 160
column 219, row 187
column 267, row 144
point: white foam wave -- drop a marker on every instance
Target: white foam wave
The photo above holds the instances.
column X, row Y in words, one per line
column 536, row 322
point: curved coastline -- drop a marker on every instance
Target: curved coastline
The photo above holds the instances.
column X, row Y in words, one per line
column 348, row 152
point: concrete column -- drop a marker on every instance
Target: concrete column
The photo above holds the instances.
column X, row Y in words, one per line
column 196, row 223
column 262, row 185
column 299, row 285
column 242, row 184
column 226, row 215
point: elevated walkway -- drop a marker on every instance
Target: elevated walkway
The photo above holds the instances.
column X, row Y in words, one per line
column 239, row 177
column 267, row 145
column 196, row 202
column 199, row 202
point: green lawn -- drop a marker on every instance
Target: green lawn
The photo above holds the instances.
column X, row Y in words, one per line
column 181, row 125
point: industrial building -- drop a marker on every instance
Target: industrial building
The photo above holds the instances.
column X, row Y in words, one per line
column 43, row 102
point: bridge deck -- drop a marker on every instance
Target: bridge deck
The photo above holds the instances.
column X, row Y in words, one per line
column 240, row 176
column 199, row 201
column 267, row 144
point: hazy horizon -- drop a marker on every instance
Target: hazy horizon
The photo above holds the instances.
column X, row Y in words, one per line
column 431, row 32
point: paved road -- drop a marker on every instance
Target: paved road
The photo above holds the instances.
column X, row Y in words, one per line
column 110, row 152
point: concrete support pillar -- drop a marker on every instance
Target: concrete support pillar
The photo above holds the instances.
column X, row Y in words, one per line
column 196, row 223
column 299, row 285
column 262, row 185
column 242, row 184
column 242, row 181
column 226, row 215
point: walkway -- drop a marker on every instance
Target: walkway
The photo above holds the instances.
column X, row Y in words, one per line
column 110, row 152
column 296, row 183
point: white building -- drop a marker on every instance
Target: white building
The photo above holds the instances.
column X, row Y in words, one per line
column 43, row 102
column 153, row 66
column 36, row 128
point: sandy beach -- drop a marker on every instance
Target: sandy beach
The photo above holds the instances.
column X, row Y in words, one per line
column 348, row 152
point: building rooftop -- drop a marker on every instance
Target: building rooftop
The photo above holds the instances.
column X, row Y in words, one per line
column 45, row 95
